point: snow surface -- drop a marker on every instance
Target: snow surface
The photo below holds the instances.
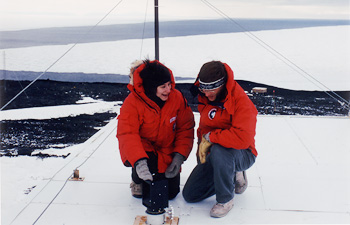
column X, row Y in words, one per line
column 16, row 182
column 322, row 52
column 301, row 176
column 87, row 106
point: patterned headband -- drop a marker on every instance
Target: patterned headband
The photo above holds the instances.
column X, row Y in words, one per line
column 211, row 85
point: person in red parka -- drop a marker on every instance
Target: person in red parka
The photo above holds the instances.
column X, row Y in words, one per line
column 155, row 127
column 226, row 138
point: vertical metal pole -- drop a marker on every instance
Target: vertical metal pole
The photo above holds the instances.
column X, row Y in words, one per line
column 156, row 29
column 5, row 66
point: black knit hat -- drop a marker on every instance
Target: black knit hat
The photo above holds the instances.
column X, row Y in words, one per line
column 153, row 75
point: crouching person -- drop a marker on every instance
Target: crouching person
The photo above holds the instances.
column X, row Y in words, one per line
column 155, row 127
column 226, row 138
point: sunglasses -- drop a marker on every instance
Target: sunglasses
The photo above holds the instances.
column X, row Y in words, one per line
column 209, row 90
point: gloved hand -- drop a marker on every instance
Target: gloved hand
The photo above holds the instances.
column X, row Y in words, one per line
column 174, row 168
column 204, row 148
column 142, row 170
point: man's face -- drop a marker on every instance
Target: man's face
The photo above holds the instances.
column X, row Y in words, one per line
column 212, row 94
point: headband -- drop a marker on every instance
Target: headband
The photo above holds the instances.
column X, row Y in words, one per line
column 211, row 85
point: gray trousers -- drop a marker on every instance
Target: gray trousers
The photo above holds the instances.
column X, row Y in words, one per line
column 217, row 174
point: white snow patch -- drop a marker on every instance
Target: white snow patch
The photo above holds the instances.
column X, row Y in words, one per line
column 87, row 100
column 52, row 112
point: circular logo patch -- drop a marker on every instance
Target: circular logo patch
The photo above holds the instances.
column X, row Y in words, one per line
column 212, row 113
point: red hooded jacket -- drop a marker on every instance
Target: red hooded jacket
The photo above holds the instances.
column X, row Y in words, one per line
column 231, row 124
column 145, row 127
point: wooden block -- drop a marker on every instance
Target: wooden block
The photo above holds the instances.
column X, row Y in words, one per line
column 141, row 220
column 174, row 221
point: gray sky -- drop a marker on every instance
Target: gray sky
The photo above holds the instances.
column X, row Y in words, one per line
column 24, row 14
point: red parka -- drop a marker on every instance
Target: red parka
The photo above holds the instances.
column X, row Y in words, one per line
column 145, row 127
column 231, row 124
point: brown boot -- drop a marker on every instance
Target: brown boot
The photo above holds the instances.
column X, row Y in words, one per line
column 241, row 182
column 136, row 189
column 221, row 209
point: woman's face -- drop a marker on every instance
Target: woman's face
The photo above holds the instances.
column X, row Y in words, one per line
column 212, row 94
column 163, row 91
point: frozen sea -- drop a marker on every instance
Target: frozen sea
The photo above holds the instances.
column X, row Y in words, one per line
column 302, row 58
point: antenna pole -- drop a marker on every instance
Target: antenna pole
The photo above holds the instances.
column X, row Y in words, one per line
column 4, row 65
column 156, row 29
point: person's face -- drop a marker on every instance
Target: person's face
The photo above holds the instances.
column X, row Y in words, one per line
column 163, row 91
column 212, row 94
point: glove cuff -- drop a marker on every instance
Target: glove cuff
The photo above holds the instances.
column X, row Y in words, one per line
column 141, row 162
column 206, row 137
column 179, row 156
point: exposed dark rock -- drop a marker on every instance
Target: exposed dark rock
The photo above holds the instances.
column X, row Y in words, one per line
column 22, row 137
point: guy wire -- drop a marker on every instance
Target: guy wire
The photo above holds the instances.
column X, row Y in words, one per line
column 64, row 54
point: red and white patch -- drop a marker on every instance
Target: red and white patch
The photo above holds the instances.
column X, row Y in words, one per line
column 212, row 113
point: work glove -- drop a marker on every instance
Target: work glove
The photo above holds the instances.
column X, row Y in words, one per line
column 204, row 148
column 174, row 168
column 142, row 170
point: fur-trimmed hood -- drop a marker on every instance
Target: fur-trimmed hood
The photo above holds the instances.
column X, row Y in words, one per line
column 136, row 83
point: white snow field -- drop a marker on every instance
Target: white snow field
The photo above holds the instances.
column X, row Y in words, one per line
column 322, row 52
column 302, row 175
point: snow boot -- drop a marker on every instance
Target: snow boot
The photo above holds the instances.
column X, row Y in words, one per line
column 241, row 182
column 221, row 209
column 136, row 189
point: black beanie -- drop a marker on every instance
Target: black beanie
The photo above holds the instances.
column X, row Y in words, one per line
column 153, row 75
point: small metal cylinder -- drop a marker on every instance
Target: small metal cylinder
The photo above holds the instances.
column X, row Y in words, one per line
column 76, row 174
column 155, row 219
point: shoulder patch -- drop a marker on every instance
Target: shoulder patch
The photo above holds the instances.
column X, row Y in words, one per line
column 172, row 119
column 212, row 113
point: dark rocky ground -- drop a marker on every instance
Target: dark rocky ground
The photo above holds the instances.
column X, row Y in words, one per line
column 22, row 137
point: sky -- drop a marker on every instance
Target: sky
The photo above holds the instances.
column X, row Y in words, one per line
column 24, row 14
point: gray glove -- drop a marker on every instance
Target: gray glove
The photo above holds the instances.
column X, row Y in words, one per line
column 174, row 168
column 142, row 170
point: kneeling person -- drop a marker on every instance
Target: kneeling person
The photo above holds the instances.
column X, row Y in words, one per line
column 226, row 138
column 155, row 127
